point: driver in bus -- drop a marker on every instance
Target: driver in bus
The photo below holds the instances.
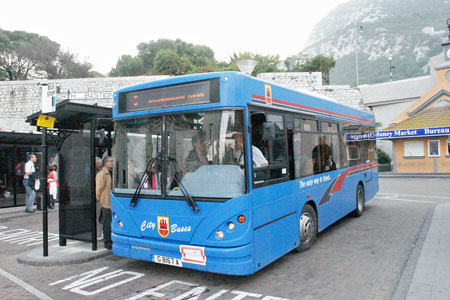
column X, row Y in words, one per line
column 257, row 156
column 197, row 156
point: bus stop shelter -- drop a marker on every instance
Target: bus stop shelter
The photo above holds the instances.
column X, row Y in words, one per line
column 81, row 133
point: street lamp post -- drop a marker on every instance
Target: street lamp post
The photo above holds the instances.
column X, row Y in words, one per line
column 361, row 28
column 390, row 68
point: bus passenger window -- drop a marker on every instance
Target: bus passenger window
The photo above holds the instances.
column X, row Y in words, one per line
column 268, row 147
column 305, row 139
column 322, row 156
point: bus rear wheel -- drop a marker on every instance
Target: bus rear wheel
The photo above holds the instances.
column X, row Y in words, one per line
column 308, row 228
column 360, row 201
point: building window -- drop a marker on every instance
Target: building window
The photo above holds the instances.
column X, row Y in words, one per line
column 448, row 146
column 414, row 149
column 433, row 148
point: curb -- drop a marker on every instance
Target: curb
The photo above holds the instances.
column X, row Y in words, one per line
column 35, row 257
column 408, row 272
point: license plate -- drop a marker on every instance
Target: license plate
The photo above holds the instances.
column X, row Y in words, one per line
column 167, row 260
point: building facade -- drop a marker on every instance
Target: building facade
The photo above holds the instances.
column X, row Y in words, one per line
column 422, row 131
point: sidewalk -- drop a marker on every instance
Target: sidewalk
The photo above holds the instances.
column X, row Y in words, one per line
column 426, row 274
column 75, row 252
column 431, row 279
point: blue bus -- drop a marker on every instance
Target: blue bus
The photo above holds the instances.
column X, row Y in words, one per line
column 225, row 173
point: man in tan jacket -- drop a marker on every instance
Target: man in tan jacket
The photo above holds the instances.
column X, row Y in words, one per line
column 103, row 187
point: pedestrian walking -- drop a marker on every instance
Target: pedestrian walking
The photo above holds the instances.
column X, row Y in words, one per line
column 52, row 186
column 28, row 183
column 103, row 182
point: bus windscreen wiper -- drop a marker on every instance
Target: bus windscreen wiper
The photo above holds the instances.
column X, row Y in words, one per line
column 189, row 200
column 145, row 176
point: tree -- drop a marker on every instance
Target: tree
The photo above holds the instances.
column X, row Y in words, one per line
column 383, row 157
column 266, row 63
column 294, row 63
column 26, row 55
column 319, row 63
column 128, row 66
column 147, row 52
column 67, row 66
column 168, row 62
column 189, row 58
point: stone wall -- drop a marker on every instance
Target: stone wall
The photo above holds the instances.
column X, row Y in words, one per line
column 342, row 94
column 313, row 82
column 294, row 80
column 19, row 99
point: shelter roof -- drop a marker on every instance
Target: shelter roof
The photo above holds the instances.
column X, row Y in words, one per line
column 18, row 138
column 70, row 115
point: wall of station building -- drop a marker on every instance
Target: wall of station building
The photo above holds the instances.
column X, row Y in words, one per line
column 19, row 99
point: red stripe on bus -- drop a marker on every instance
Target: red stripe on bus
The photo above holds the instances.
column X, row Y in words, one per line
column 338, row 185
column 311, row 108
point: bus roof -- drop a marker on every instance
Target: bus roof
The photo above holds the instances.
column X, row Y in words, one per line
column 239, row 90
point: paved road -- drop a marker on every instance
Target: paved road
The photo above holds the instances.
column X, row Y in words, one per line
column 359, row 258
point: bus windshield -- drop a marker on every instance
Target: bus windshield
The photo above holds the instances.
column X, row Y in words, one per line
column 204, row 150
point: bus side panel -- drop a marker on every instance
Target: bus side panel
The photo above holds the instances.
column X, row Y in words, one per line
column 329, row 206
column 334, row 205
column 275, row 240
column 371, row 187
column 275, row 222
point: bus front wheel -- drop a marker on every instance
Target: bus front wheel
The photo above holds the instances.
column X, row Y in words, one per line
column 360, row 201
column 308, row 228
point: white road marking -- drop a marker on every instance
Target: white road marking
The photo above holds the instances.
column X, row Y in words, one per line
column 405, row 200
column 25, row 285
column 405, row 195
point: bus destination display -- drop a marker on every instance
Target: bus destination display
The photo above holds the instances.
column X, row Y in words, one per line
column 199, row 92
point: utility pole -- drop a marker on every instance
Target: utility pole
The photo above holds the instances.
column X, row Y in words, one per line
column 361, row 29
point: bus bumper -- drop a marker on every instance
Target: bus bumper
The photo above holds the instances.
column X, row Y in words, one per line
column 231, row 261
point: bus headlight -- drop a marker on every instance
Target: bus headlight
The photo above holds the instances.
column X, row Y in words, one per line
column 219, row 234
column 231, row 226
column 120, row 224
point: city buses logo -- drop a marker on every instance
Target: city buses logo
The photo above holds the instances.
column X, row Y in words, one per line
column 163, row 226
column 268, row 93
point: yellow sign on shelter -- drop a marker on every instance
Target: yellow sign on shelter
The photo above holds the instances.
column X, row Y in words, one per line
column 46, row 121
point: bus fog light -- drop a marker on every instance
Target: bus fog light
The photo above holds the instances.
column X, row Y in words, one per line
column 219, row 234
column 231, row 226
column 120, row 224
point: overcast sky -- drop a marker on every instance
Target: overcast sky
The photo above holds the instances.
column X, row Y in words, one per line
column 101, row 31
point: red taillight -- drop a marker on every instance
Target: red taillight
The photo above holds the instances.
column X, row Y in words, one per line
column 241, row 219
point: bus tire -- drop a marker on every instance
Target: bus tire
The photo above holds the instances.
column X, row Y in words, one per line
column 360, row 201
column 308, row 228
